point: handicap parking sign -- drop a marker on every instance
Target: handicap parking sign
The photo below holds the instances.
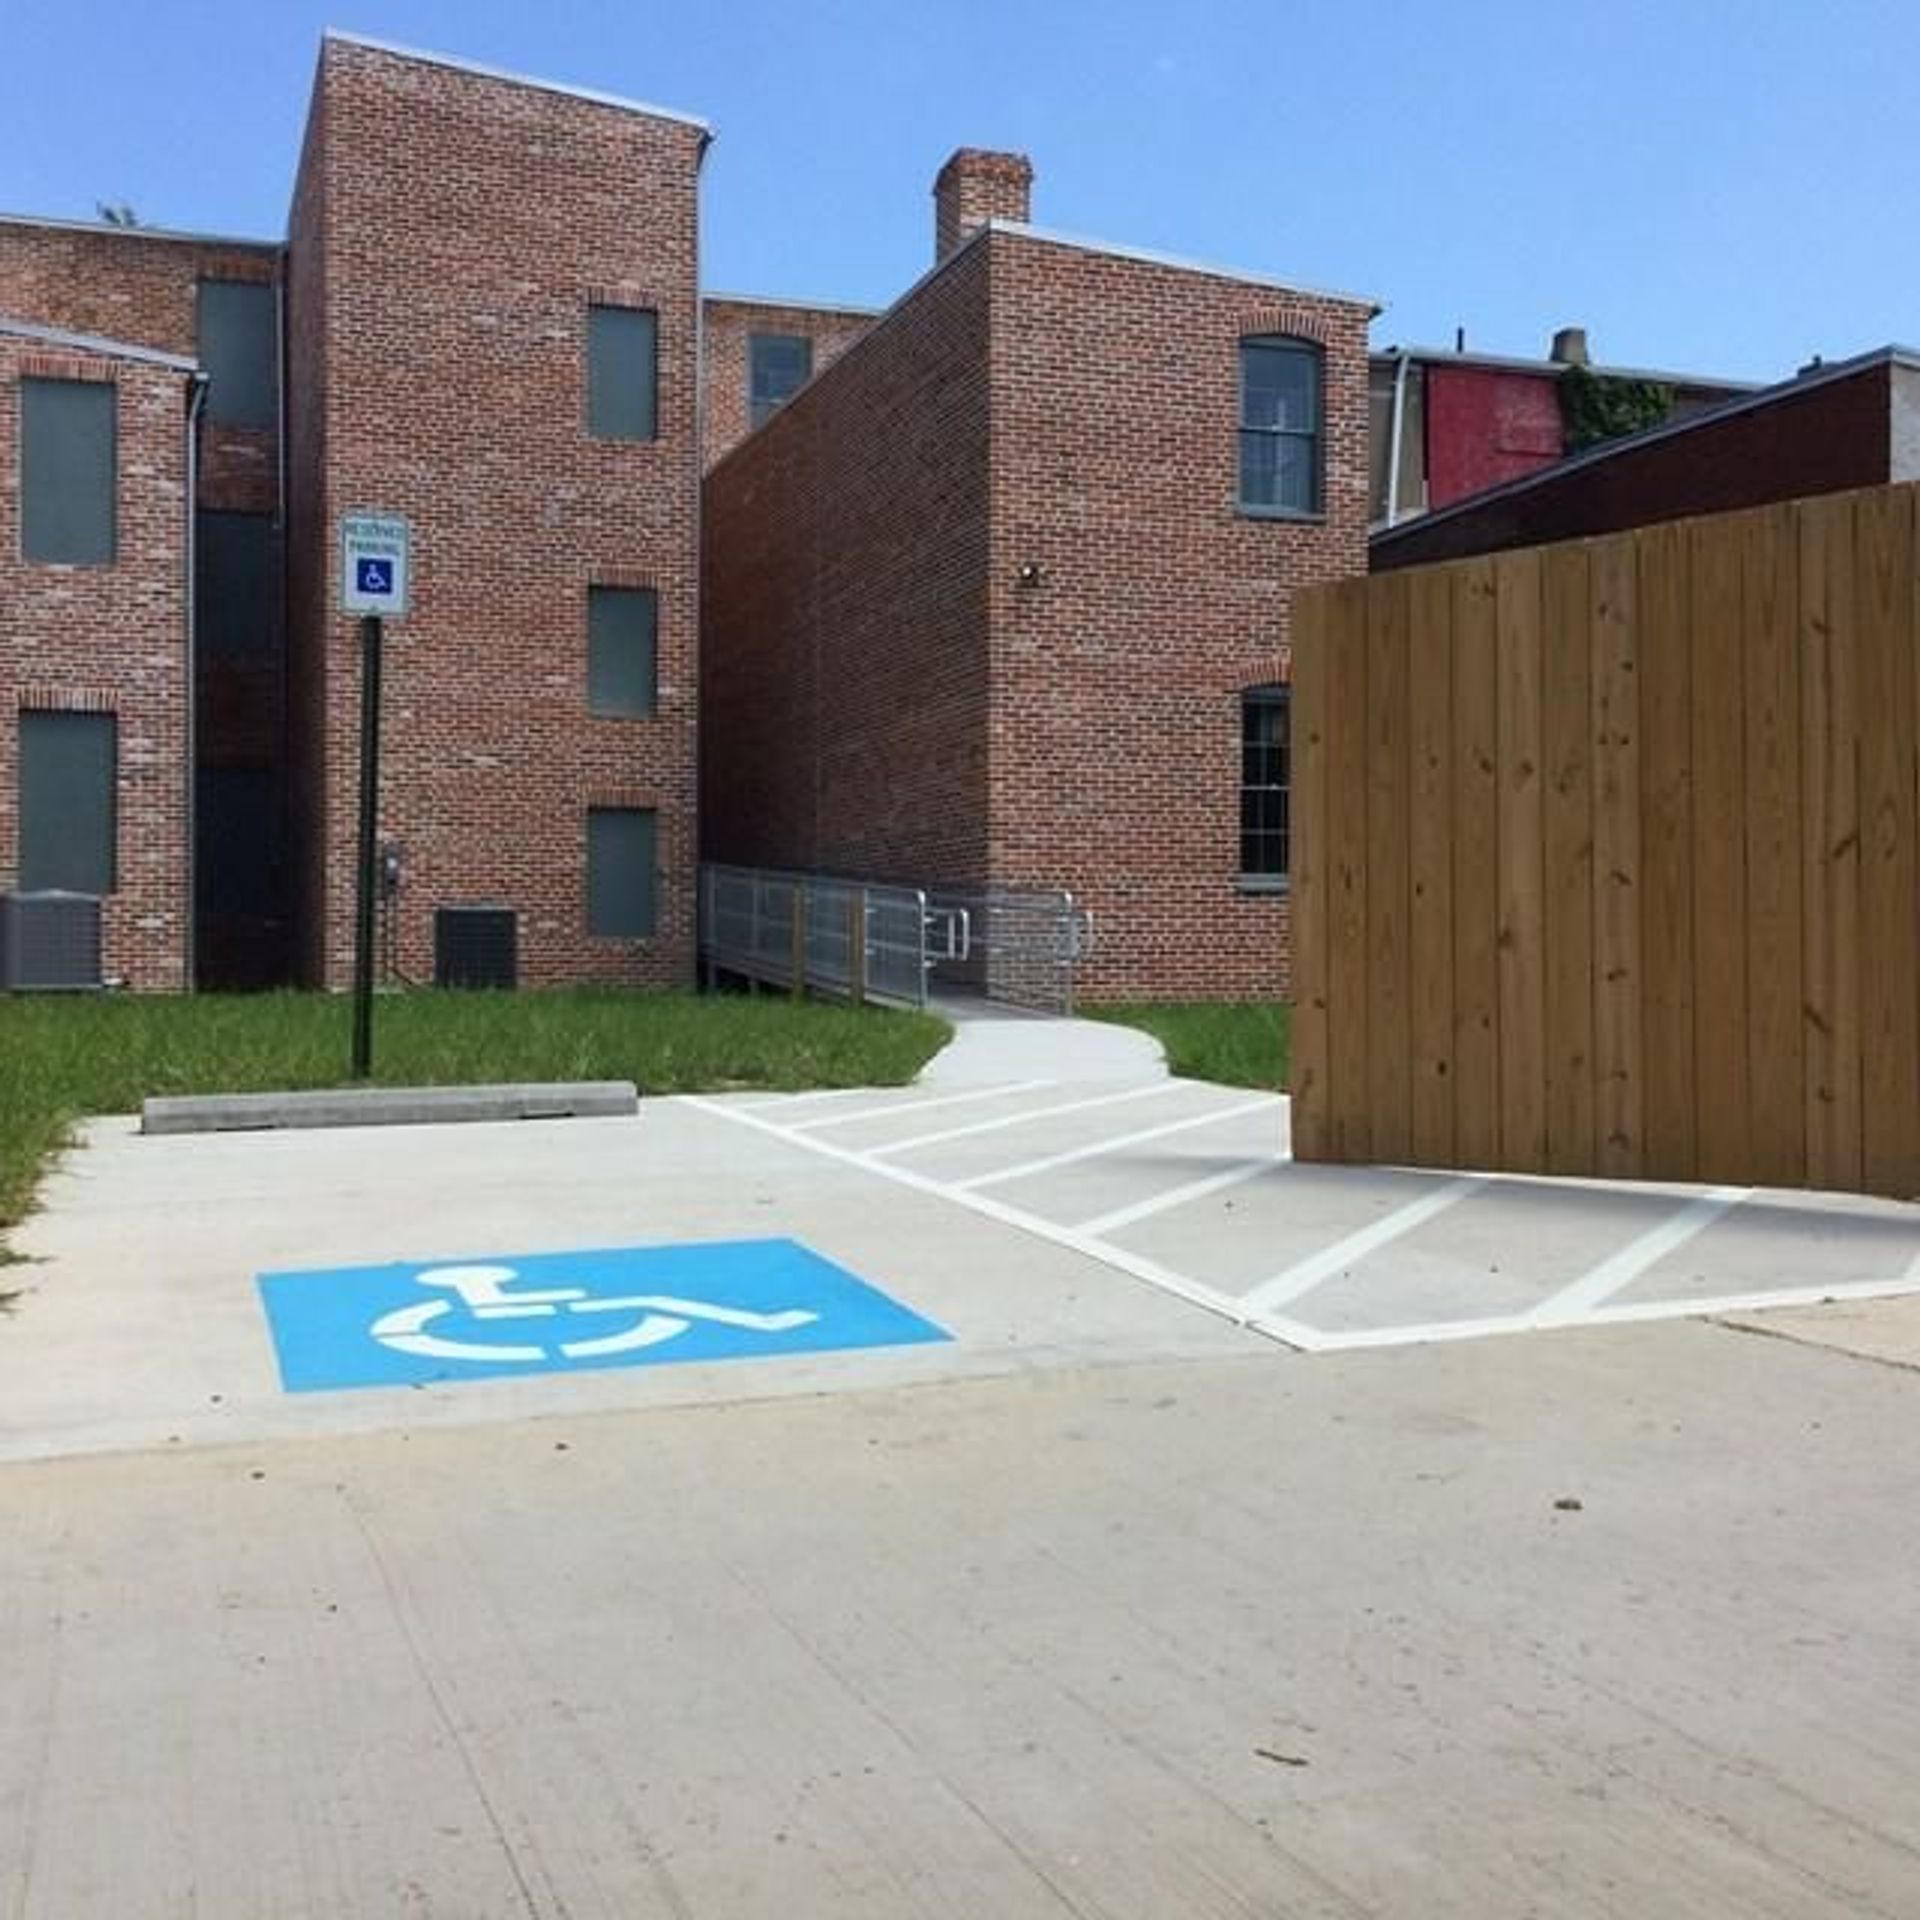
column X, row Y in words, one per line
column 409, row 1323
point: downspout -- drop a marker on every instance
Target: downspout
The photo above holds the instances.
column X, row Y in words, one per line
column 1395, row 433
column 196, row 400
column 694, row 827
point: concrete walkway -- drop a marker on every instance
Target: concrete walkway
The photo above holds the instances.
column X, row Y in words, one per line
column 995, row 1045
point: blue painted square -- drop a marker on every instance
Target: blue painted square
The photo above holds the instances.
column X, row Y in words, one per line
column 413, row 1322
column 373, row 576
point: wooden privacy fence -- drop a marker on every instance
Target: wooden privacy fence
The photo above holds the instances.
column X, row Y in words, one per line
column 1605, row 856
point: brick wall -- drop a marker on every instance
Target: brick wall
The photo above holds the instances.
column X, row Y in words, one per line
column 110, row 639
column 138, row 286
column 884, row 695
column 845, row 604
column 437, row 294
column 1829, row 438
column 725, row 327
column 1117, row 676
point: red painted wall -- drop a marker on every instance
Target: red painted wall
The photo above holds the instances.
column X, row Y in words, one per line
column 1487, row 425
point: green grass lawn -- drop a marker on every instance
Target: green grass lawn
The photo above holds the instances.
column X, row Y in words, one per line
column 62, row 1058
column 1241, row 1043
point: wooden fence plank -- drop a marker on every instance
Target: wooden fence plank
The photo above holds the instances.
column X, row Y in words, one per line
column 1306, row 904
column 1719, row 849
column 1666, row 856
column 1614, row 582
column 1476, row 842
column 1349, row 1137
column 1430, row 652
column 1523, row 1039
column 1567, row 842
column 1769, row 599
column 1830, row 842
column 1389, row 981
column 1890, row 939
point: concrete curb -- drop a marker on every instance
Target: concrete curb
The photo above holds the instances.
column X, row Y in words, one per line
column 387, row 1106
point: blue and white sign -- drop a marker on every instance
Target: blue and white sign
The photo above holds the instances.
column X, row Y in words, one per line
column 375, row 549
column 411, row 1323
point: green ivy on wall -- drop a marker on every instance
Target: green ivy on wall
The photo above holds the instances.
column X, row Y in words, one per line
column 1603, row 406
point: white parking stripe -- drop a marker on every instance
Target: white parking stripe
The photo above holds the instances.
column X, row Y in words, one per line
column 786, row 1102
column 1181, row 1196
column 921, row 1106
column 1297, row 1333
column 1114, row 1144
column 1021, row 1119
column 1622, row 1269
column 1150, row 1271
column 1304, row 1275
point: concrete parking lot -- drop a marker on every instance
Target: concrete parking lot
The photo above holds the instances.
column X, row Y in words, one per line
column 1192, row 1563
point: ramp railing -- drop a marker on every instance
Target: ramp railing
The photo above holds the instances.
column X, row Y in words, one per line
column 853, row 939
column 815, row 934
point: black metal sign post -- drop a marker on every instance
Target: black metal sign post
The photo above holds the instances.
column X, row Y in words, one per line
column 370, row 639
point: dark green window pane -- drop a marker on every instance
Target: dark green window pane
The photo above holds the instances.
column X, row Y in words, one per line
column 1265, row 739
column 622, row 372
column 67, row 812
column 240, row 352
column 620, row 863
column 778, row 365
column 1280, row 426
column 233, row 602
column 621, row 671
column 68, row 462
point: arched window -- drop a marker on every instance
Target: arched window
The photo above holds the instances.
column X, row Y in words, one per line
column 1280, row 425
column 1266, row 740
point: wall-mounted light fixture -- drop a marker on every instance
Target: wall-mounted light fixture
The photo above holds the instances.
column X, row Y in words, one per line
column 1031, row 573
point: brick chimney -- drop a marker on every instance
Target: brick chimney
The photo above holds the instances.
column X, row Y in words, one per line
column 976, row 186
column 1569, row 347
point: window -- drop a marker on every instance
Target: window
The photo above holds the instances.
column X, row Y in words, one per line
column 68, row 763
column 233, row 598
column 239, row 348
column 620, row 872
column 1266, row 739
column 622, row 372
column 778, row 364
column 1279, row 426
column 621, row 622
column 68, row 463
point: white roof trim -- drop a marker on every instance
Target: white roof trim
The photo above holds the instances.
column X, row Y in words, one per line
column 1515, row 363
column 790, row 306
column 484, row 72
column 96, row 343
column 1049, row 237
column 175, row 234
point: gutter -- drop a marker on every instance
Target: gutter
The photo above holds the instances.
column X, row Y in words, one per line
column 196, row 400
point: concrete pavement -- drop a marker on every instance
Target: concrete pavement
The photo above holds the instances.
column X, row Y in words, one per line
column 1255, row 1635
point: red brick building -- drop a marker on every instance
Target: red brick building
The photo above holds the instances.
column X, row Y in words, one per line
column 759, row 353
column 95, row 644
column 995, row 582
column 492, row 290
column 1853, row 423
column 1001, row 597
column 1447, row 425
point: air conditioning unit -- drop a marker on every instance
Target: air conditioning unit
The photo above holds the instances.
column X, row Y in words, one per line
column 49, row 942
column 476, row 947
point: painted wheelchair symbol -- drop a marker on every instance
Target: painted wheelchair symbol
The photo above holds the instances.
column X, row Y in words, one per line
column 482, row 1292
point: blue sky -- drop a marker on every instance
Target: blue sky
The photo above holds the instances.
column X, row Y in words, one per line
column 1707, row 185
